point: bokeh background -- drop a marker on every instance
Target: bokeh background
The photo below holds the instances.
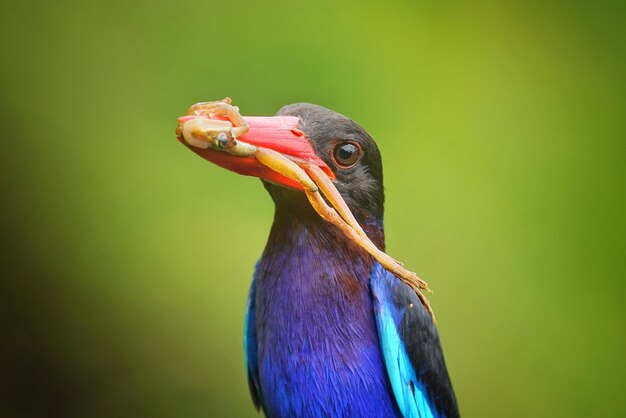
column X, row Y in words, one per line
column 126, row 259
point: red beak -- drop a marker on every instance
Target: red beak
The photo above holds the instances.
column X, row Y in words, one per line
column 279, row 133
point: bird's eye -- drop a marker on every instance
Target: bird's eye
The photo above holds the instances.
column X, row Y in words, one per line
column 346, row 154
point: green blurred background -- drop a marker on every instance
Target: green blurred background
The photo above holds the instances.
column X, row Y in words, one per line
column 127, row 259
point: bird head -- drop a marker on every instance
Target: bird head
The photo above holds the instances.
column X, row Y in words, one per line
column 306, row 154
column 306, row 134
column 349, row 152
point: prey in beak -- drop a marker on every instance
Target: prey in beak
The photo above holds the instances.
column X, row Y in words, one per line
column 276, row 150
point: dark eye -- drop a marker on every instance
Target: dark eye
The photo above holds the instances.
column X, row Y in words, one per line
column 346, row 154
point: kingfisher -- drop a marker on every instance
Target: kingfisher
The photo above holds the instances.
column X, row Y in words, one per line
column 334, row 326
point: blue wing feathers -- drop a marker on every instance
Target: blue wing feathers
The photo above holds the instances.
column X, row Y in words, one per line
column 411, row 350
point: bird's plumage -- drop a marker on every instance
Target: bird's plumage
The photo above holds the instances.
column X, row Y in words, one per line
column 312, row 343
column 329, row 332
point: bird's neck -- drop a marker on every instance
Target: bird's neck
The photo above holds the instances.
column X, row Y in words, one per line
column 295, row 213
column 309, row 255
column 311, row 258
column 302, row 240
column 313, row 254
